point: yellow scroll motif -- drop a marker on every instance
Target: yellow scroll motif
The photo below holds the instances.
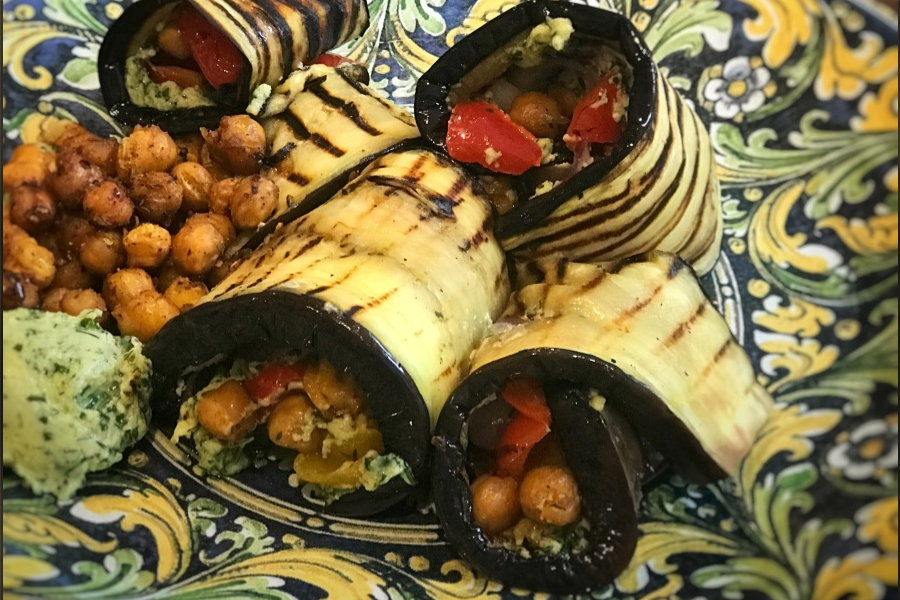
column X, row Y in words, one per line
column 873, row 236
column 846, row 71
column 878, row 523
column 17, row 569
column 480, row 13
column 18, row 40
column 789, row 430
column 799, row 317
column 769, row 240
column 878, row 111
column 47, row 530
column 784, row 24
column 156, row 509
column 861, row 575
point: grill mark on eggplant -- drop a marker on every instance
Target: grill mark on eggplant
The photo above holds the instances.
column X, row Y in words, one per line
column 448, row 371
column 303, row 133
column 298, row 178
column 720, row 353
column 251, row 24
column 477, row 239
column 284, row 32
column 312, row 243
column 595, row 281
column 354, row 310
column 442, row 204
column 708, row 233
column 414, row 173
column 561, row 266
column 279, row 155
column 362, row 89
column 636, row 308
column 684, row 326
column 348, row 109
column 311, row 21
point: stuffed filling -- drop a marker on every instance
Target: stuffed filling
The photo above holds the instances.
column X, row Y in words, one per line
column 539, row 110
column 524, row 496
column 317, row 417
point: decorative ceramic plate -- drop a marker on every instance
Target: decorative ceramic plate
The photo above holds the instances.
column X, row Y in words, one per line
column 801, row 100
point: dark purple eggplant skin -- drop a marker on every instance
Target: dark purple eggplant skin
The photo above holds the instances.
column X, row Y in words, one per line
column 111, row 68
column 258, row 327
column 610, row 491
column 433, row 114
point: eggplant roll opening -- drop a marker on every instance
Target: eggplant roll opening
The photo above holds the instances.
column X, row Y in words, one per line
column 620, row 181
column 183, row 64
column 565, row 518
column 270, row 325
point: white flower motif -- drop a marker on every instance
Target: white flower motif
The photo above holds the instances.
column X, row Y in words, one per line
column 868, row 452
column 740, row 89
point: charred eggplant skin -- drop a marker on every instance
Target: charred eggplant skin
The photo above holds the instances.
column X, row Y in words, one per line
column 111, row 66
column 257, row 326
column 608, row 472
column 433, row 113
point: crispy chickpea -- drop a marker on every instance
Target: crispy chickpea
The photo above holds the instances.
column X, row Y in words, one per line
column 29, row 164
column 196, row 183
column 495, row 503
column 288, row 421
column 170, row 41
column 253, row 202
column 18, row 291
column 197, row 246
column 184, row 293
column 102, row 252
column 549, row 495
column 125, row 284
column 32, row 208
column 221, row 193
column 143, row 315
column 239, row 144
column 147, row 149
column 107, row 204
column 71, row 274
column 538, row 113
column 147, row 245
column 98, row 151
column 220, row 222
column 23, row 255
column 74, row 302
column 157, row 196
column 74, row 175
column 72, row 233
column 227, row 411
column 566, row 99
column 330, row 392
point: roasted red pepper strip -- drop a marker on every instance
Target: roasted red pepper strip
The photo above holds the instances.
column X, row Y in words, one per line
column 333, row 60
column 217, row 56
column 527, row 397
column 272, row 379
column 480, row 132
column 520, row 437
column 593, row 120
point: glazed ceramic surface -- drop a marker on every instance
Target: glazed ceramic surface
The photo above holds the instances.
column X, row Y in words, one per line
column 800, row 97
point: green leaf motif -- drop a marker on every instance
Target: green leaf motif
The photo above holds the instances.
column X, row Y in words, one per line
column 81, row 73
column 420, row 13
column 687, row 26
column 74, row 13
column 120, row 575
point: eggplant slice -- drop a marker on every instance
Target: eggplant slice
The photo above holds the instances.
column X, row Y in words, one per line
column 656, row 190
column 394, row 282
column 640, row 333
column 274, row 37
column 322, row 127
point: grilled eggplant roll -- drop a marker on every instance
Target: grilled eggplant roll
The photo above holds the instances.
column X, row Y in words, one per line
column 588, row 151
column 539, row 451
column 341, row 337
column 183, row 64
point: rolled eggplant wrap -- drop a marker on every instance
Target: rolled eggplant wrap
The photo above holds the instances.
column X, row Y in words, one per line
column 539, row 450
column 340, row 338
column 182, row 64
column 587, row 150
